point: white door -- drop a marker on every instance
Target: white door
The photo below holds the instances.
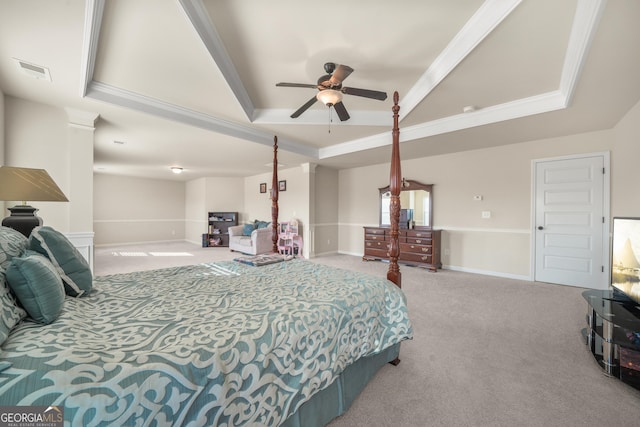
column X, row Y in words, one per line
column 570, row 221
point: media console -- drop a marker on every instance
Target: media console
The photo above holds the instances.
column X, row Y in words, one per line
column 613, row 334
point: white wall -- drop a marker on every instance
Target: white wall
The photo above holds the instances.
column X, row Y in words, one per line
column 625, row 173
column 502, row 175
column 325, row 231
column 36, row 136
column 334, row 206
column 3, row 212
column 1, row 133
column 294, row 203
column 133, row 210
column 195, row 210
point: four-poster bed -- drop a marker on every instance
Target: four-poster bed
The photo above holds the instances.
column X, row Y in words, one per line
column 223, row 344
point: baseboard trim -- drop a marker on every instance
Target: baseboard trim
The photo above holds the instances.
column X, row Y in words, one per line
column 488, row 273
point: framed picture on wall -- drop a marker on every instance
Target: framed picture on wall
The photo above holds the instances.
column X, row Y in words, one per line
column 282, row 185
column 263, row 187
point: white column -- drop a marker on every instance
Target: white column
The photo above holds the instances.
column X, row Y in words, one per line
column 80, row 138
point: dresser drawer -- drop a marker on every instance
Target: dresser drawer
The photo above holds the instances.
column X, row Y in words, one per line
column 378, row 253
column 415, row 249
column 374, row 230
column 419, row 234
column 426, row 259
column 368, row 244
column 420, row 240
column 374, row 237
column 418, row 247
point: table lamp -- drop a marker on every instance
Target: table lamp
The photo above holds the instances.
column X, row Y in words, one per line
column 28, row 185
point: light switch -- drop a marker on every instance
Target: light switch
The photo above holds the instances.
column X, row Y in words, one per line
column 486, row 214
column 477, row 198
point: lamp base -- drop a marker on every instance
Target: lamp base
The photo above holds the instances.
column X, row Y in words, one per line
column 23, row 219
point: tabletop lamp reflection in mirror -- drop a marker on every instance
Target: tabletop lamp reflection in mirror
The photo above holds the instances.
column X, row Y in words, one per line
column 33, row 185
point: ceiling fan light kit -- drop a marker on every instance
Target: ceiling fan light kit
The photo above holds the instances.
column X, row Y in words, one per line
column 329, row 97
column 331, row 90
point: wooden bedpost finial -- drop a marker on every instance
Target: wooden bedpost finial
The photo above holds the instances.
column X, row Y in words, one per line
column 395, row 184
column 274, row 196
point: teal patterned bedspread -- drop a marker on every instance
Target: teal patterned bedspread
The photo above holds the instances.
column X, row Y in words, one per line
column 222, row 344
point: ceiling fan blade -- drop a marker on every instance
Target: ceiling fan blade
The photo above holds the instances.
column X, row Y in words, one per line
column 341, row 111
column 341, row 72
column 297, row 85
column 304, row 108
column 373, row 94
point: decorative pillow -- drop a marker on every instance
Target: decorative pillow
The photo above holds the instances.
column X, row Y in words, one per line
column 10, row 312
column 12, row 244
column 70, row 264
column 261, row 224
column 37, row 286
column 248, row 229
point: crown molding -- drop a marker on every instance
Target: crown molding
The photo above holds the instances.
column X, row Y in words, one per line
column 537, row 104
column 481, row 24
column 485, row 20
column 138, row 102
column 281, row 116
column 585, row 24
column 90, row 37
column 199, row 18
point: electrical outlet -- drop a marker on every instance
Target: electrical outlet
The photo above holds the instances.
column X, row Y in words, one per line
column 486, row 214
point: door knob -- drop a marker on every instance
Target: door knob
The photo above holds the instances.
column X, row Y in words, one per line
column 540, row 227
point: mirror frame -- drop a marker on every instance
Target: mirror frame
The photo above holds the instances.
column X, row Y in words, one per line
column 409, row 185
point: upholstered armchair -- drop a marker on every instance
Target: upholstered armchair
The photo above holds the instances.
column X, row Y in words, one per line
column 258, row 241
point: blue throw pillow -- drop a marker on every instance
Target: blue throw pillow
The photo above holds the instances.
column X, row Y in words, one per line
column 68, row 261
column 261, row 224
column 248, row 229
column 37, row 286
column 10, row 312
column 12, row 244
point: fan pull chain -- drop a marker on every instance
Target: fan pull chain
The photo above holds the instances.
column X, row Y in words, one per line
column 330, row 119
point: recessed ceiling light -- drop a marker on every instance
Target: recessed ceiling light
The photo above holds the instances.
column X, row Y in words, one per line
column 469, row 109
column 176, row 169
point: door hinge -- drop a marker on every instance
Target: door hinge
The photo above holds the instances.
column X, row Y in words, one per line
column 603, row 268
column 603, row 172
column 603, row 220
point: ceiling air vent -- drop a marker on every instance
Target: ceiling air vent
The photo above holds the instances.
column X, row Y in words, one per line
column 33, row 70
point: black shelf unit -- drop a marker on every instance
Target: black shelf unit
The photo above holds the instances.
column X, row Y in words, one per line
column 613, row 334
column 217, row 234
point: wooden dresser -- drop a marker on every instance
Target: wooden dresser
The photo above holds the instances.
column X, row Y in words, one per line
column 417, row 247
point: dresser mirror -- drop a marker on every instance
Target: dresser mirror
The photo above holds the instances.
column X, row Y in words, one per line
column 416, row 204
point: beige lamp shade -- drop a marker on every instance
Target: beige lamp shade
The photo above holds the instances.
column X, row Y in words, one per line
column 24, row 184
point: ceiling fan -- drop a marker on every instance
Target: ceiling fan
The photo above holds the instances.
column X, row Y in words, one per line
column 331, row 90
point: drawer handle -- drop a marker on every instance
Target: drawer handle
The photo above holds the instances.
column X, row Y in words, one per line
column 413, row 247
column 418, row 241
column 418, row 234
column 425, row 249
column 425, row 258
column 368, row 244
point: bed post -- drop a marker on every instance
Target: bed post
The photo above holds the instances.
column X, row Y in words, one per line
column 395, row 181
column 274, row 197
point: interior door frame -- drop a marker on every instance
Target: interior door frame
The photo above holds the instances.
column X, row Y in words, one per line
column 606, row 210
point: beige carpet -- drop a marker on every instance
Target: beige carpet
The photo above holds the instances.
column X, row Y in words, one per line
column 486, row 351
